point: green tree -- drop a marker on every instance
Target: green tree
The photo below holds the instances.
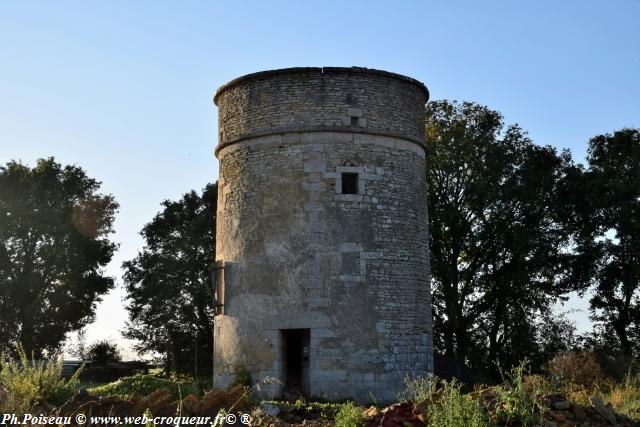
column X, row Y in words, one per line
column 54, row 242
column 104, row 351
column 607, row 220
column 169, row 287
column 496, row 235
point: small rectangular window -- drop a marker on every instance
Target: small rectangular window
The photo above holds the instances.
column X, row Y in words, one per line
column 350, row 264
column 349, row 183
column 355, row 121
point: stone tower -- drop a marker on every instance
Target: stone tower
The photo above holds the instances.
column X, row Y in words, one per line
column 322, row 244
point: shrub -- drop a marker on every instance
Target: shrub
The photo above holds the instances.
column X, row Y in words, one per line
column 143, row 384
column 577, row 368
column 618, row 367
column 349, row 415
column 104, row 352
column 421, row 388
column 536, row 385
column 515, row 402
column 27, row 382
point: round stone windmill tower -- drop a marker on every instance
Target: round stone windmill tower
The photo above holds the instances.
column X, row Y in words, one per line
column 322, row 244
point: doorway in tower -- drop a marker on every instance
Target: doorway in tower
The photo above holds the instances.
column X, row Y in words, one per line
column 295, row 353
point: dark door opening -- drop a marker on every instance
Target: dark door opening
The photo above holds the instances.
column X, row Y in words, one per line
column 295, row 352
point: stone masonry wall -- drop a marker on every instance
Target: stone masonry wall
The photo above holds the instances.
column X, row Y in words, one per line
column 351, row 268
column 324, row 99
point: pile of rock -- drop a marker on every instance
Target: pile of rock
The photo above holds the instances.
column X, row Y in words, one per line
column 284, row 414
column 396, row 415
column 561, row 412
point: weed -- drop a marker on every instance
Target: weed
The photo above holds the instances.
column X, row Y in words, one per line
column 242, row 376
column 452, row 408
column 515, row 403
column 625, row 397
column 349, row 415
column 27, row 382
column 421, row 388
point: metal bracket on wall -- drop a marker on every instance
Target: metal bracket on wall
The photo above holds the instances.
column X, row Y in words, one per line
column 217, row 274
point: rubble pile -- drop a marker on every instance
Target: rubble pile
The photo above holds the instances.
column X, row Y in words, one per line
column 396, row 415
column 555, row 410
column 560, row 412
column 159, row 403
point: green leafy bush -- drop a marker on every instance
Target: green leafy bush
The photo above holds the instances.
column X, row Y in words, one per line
column 27, row 382
column 349, row 415
column 143, row 385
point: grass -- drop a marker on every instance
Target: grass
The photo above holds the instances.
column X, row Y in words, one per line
column 455, row 409
column 86, row 385
column 579, row 376
column 444, row 404
column 625, row 397
column 517, row 401
column 309, row 409
column 144, row 384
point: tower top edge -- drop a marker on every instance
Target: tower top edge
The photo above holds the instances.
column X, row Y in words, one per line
column 318, row 70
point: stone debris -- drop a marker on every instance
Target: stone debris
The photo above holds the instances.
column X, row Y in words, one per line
column 159, row 403
column 396, row 415
column 557, row 410
column 603, row 410
column 371, row 413
column 560, row 412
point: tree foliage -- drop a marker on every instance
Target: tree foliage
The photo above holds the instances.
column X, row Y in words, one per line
column 54, row 242
column 606, row 199
column 496, row 236
column 103, row 352
column 168, row 284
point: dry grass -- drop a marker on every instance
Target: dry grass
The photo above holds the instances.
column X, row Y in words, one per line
column 579, row 376
column 579, row 369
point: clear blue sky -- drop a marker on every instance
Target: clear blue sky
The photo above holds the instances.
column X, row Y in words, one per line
column 124, row 89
